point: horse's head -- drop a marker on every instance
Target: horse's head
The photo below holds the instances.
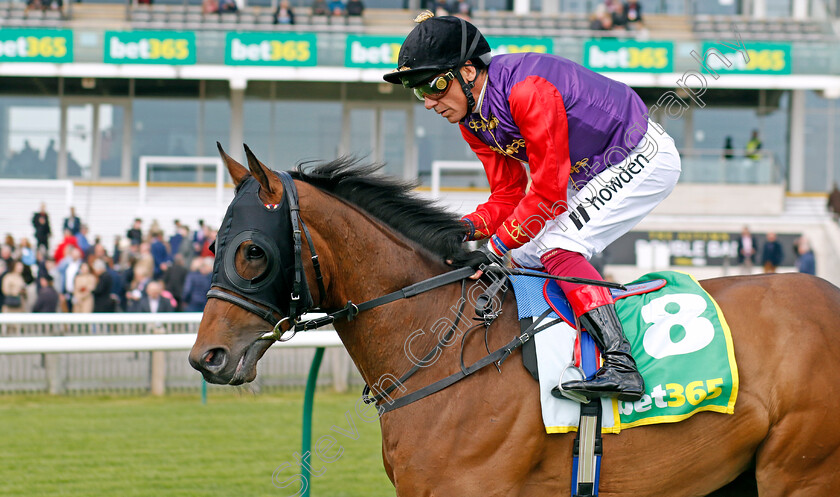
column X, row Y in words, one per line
column 253, row 286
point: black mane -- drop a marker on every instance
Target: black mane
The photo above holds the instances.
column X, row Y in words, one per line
column 389, row 200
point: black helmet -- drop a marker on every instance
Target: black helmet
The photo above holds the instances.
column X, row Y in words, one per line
column 436, row 45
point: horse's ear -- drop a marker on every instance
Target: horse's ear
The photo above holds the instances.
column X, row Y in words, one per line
column 266, row 178
column 237, row 171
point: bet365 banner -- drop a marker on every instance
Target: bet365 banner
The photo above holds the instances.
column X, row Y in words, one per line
column 628, row 56
column 684, row 350
column 271, row 49
column 764, row 58
column 150, row 47
column 382, row 51
column 36, row 45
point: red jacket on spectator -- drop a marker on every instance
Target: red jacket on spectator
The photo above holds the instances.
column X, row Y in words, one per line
column 59, row 251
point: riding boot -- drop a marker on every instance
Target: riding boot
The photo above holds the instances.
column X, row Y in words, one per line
column 618, row 375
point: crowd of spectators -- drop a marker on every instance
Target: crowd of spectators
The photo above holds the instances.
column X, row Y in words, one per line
column 143, row 272
column 614, row 15
column 337, row 8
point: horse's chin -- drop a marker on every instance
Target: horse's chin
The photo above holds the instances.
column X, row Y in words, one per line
column 246, row 368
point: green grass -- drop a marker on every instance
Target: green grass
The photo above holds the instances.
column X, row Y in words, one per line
column 174, row 446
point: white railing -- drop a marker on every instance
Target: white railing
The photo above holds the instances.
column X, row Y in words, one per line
column 104, row 352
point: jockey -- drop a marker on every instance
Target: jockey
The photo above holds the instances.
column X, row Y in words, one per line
column 597, row 166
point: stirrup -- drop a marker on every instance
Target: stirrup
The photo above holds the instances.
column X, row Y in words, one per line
column 570, row 394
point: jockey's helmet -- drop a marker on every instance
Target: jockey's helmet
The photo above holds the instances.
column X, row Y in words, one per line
column 437, row 45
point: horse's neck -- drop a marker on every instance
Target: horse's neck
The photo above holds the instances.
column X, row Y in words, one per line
column 361, row 260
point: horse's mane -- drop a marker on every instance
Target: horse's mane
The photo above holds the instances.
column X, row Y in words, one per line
column 389, row 200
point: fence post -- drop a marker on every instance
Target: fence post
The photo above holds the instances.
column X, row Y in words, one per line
column 306, row 442
column 338, row 361
column 158, row 375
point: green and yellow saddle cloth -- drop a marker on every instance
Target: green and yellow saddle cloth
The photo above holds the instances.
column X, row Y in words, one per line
column 680, row 341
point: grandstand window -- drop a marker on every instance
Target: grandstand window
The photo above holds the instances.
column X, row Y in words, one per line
column 29, row 136
column 165, row 126
column 822, row 134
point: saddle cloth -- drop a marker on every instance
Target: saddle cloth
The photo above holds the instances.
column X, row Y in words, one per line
column 680, row 341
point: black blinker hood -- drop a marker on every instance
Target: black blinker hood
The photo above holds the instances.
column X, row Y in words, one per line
column 270, row 228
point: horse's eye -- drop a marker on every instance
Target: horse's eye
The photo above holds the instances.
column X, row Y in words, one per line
column 255, row 252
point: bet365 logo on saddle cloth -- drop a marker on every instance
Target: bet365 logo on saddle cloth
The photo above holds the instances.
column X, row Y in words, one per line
column 683, row 348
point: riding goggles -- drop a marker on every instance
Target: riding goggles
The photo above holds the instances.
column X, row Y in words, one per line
column 435, row 87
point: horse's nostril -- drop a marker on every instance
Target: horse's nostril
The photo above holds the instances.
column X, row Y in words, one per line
column 214, row 360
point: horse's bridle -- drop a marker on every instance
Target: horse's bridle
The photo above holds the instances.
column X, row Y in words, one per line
column 263, row 290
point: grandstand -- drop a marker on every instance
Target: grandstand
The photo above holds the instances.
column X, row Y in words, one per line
column 85, row 100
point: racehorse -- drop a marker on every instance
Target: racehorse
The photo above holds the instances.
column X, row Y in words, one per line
column 484, row 436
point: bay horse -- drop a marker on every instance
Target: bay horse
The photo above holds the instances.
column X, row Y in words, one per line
column 484, row 436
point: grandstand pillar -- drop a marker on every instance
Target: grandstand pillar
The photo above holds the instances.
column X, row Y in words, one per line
column 521, row 7
column 800, row 9
column 237, row 122
column 796, row 159
column 759, row 9
column 551, row 6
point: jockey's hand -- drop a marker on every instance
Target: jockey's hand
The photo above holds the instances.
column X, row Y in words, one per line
column 474, row 259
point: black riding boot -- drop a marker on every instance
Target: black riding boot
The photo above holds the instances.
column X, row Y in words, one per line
column 618, row 376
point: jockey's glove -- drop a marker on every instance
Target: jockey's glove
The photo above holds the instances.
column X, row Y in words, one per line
column 484, row 256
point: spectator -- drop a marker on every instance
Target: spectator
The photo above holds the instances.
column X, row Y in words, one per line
column 117, row 286
column 41, row 223
column 728, row 149
column 135, row 234
column 68, row 269
column 47, row 300
column 176, row 239
column 227, row 6
column 144, row 267
column 6, row 256
column 615, row 9
column 834, row 201
column 336, row 8
column 600, row 20
column 463, row 10
column 442, row 8
column 33, row 5
column 633, row 14
column 82, row 240
column 753, row 150
column 14, row 289
column 27, row 254
column 747, row 250
column 185, row 249
column 116, row 254
column 283, row 15
column 68, row 241
column 197, row 284
column 772, row 254
column 209, row 6
column 160, row 254
column 805, row 260
column 355, row 8
column 102, row 297
column 174, row 278
column 72, row 222
column 83, row 286
column 209, row 239
column 319, row 8
column 198, row 237
column 153, row 301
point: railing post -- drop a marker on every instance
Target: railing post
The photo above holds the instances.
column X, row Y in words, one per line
column 158, row 373
column 306, row 443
